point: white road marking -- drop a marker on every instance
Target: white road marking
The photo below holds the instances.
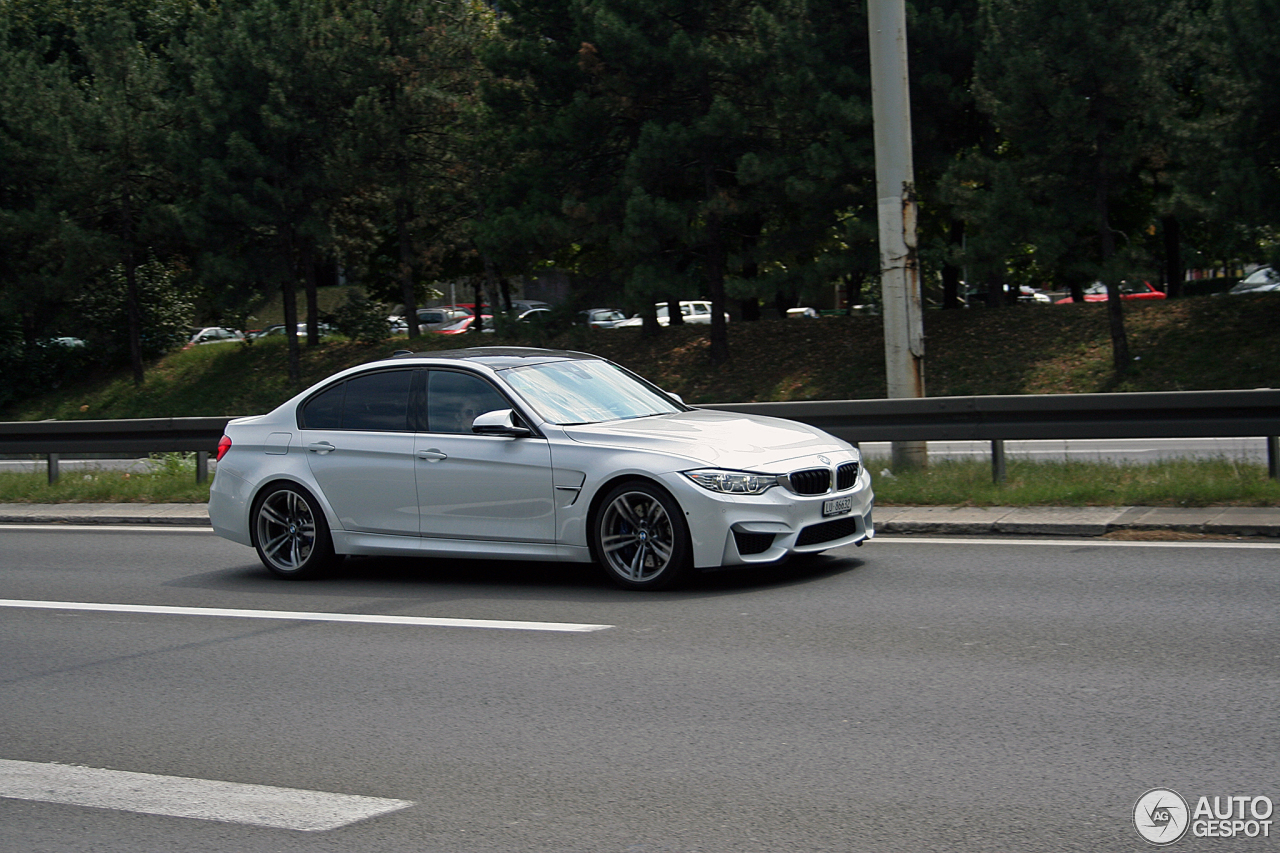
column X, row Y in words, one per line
column 176, row 796
column 303, row 616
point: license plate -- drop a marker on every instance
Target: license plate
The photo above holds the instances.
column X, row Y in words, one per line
column 837, row 506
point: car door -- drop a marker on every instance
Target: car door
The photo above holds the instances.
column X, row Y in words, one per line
column 485, row 487
column 359, row 443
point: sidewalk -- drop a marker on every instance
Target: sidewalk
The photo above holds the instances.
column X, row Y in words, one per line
column 927, row 520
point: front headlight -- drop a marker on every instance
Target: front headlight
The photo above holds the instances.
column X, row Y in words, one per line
column 733, row 482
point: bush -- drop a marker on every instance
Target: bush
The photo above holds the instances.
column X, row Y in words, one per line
column 166, row 313
column 361, row 319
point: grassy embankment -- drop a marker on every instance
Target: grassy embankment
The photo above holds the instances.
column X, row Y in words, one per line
column 1198, row 343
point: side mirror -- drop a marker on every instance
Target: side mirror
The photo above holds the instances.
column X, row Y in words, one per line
column 499, row 422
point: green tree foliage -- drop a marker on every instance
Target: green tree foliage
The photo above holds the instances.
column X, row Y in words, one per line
column 266, row 109
column 153, row 296
column 1254, row 131
column 701, row 147
column 360, row 318
column 36, row 103
column 946, row 124
column 412, row 148
column 117, row 189
column 1079, row 93
column 89, row 115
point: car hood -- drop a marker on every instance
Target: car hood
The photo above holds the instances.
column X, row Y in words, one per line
column 724, row 439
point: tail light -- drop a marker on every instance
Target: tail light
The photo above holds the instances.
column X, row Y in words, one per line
column 223, row 446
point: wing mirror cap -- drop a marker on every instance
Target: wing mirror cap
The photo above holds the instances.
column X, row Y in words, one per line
column 499, row 422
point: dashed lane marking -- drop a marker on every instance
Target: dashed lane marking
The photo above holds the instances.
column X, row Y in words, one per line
column 302, row 616
column 177, row 796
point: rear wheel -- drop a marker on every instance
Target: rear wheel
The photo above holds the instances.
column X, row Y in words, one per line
column 640, row 537
column 290, row 533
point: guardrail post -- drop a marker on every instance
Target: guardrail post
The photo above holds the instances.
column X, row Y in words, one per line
column 53, row 468
column 999, row 472
column 202, row 466
column 1273, row 457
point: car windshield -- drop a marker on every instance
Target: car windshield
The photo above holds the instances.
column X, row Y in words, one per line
column 587, row 392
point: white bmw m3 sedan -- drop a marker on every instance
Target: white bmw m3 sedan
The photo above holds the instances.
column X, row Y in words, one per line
column 529, row 454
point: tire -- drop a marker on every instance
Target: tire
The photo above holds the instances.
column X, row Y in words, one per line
column 640, row 537
column 290, row 533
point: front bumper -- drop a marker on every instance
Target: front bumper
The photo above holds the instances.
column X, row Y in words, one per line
column 736, row 530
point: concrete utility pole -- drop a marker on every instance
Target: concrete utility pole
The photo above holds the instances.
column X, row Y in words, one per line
column 895, row 191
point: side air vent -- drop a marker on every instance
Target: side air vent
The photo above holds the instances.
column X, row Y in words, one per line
column 752, row 543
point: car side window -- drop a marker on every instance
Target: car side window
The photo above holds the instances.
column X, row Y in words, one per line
column 455, row 399
column 324, row 410
column 372, row 402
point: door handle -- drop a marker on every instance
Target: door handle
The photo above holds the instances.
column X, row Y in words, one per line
column 321, row 447
column 432, row 455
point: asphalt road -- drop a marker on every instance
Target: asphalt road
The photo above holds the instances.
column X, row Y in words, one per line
column 907, row 696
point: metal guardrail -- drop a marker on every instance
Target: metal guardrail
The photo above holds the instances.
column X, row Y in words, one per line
column 1166, row 414
column 1174, row 414
column 127, row 436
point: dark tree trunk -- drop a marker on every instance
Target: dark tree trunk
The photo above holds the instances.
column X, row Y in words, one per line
column 1174, row 271
column 407, row 267
column 951, row 272
column 1107, row 249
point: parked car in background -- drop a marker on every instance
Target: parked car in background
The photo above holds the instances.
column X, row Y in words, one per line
column 277, row 330
column 1097, row 292
column 601, row 318
column 520, row 306
column 1261, row 280
column 254, row 334
column 429, row 319
column 215, row 335
column 433, row 319
column 463, row 324
column 529, row 454
column 697, row 312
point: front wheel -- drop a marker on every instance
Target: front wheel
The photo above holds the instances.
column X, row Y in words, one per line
column 290, row 533
column 640, row 537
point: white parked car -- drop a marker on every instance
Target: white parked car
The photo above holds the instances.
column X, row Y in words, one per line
column 697, row 312
column 215, row 335
column 601, row 318
column 532, row 454
column 1261, row 280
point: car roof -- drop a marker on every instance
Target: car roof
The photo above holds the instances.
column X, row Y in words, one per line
column 497, row 358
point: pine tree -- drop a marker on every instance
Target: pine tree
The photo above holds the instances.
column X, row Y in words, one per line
column 702, row 146
column 266, row 110
column 1077, row 91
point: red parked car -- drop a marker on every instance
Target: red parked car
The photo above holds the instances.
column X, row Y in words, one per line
column 1097, row 292
column 459, row 326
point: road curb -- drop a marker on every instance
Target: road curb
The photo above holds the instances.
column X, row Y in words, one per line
column 106, row 514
